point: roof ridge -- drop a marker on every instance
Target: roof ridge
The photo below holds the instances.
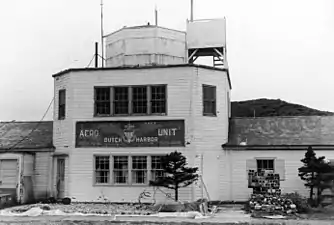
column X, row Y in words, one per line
column 280, row 117
column 26, row 121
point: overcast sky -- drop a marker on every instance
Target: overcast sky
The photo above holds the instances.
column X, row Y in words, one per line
column 276, row 48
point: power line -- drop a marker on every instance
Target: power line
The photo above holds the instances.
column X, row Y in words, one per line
column 39, row 122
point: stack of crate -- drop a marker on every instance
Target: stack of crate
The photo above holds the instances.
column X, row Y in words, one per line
column 264, row 182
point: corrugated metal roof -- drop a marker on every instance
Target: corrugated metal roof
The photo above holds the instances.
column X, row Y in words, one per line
column 12, row 133
column 279, row 131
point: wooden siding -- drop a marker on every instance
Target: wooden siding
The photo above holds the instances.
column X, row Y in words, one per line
column 62, row 129
column 184, row 88
column 237, row 176
column 210, row 132
column 42, row 172
column 82, row 176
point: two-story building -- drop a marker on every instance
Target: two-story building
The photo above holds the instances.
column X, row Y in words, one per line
column 112, row 124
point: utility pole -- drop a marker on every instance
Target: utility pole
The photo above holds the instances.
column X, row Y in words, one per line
column 102, row 44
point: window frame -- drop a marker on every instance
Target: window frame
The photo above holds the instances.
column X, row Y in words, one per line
column 130, row 182
column 94, row 169
column 131, row 102
column 61, row 104
column 151, row 167
column 147, row 178
column 110, row 101
column 165, row 100
column 214, row 100
column 265, row 159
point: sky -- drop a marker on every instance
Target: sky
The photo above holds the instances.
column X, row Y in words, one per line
column 278, row 49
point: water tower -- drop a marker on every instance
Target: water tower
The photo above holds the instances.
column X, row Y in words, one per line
column 145, row 45
column 207, row 38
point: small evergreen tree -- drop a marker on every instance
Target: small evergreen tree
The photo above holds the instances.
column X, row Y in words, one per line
column 316, row 173
column 177, row 175
column 307, row 171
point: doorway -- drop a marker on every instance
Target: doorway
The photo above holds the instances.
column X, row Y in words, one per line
column 60, row 178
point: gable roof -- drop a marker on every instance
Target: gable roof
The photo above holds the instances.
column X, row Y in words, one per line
column 11, row 134
column 281, row 131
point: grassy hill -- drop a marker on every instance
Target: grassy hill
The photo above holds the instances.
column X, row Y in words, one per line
column 273, row 107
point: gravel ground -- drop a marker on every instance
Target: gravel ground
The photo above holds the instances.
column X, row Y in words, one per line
column 88, row 208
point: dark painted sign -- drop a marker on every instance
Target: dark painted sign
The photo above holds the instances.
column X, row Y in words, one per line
column 163, row 133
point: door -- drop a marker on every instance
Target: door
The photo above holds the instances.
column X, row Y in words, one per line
column 60, row 178
column 8, row 176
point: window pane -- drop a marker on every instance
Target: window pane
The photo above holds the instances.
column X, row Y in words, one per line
column 102, row 171
column 120, row 169
column 209, row 100
column 121, row 100
column 139, row 162
column 156, row 165
column 158, row 99
column 139, row 99
column 120, row 162
column 156, row 162
column 102, row 100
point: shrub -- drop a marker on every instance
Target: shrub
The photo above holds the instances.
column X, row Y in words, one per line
column 300, row 201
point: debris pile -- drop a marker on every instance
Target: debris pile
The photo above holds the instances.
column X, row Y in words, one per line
column 266, row 195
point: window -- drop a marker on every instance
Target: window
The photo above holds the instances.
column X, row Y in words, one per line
column 121, row 100
column 139, row 169
column 131, row 100
column 120, row 169
column 102, row 101
column 158, row 99
column 115, row 170
column 156, row 167
column 61, row 104
column 265, row 164
column 102, row 169
column 209, row 100
column 139, row 100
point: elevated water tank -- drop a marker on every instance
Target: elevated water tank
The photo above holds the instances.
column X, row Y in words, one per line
column 145, row 45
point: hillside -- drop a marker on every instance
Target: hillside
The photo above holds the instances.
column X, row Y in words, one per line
column 273, row 107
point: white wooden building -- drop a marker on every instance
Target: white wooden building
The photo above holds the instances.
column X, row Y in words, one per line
column 109, row 127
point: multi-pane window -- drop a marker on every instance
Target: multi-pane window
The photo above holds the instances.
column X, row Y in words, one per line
column 102, row 101
column 139, row 169
column 158, row 99
column 121, row 100
column 102, row 169
column 265, row 164
column 209, row 100
column 139, row 100
column 121, row 169
column 117, row 170
column 131, row 100
column 61, row 104
column 156, row 167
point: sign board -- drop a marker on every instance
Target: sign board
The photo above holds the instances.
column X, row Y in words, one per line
column 163, row 133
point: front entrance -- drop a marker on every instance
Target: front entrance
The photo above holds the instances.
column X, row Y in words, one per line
column 9, row 176
column 60, row 178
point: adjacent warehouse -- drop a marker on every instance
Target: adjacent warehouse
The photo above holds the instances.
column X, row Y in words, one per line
column 277, row 144
column 26, row 160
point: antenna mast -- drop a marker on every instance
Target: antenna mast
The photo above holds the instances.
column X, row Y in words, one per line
column 156, row 15
column 102, row 44
column 191, row 10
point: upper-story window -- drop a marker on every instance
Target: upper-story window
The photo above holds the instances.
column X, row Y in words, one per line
column 209, row 100
column 61, row 104
column 131, row 100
